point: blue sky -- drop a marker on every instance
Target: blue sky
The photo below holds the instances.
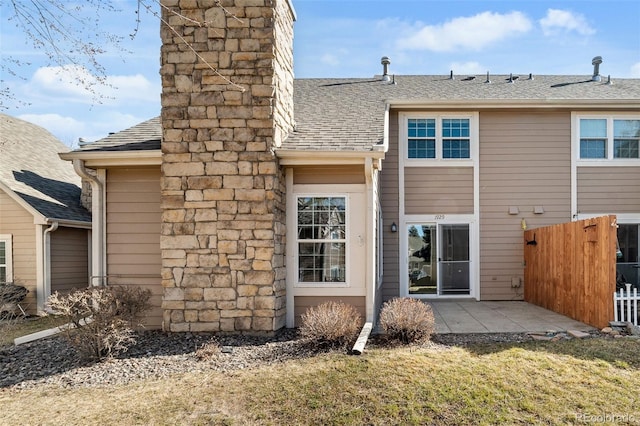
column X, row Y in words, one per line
column 342, row 38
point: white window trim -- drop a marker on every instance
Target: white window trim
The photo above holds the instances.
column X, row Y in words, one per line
column 8, row 240
column 474, row 137
column 347, row 262
column 610, row 160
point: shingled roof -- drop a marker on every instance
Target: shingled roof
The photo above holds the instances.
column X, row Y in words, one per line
column 31, row 169
column 141, row 137
column 347, row 114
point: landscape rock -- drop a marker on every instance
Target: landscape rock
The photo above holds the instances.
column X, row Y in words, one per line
column 578, row 334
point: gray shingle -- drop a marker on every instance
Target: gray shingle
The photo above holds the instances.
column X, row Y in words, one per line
column 347, row 114
column 30, row 167
column 141, row 137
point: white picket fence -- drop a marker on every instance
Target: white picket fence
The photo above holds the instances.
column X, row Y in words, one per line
column 625, row 304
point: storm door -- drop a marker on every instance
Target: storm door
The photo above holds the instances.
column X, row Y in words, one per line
column 438, row 259
column 628, row 260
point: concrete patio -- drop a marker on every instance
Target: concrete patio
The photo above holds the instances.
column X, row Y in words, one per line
column 470, row 316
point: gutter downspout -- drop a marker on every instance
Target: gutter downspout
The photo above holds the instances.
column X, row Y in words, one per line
column 98, row 228
column 44, row 295
column 370, row 281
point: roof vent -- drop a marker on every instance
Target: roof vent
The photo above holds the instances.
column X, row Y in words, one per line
column 596, row 68
column 385, row 61
column 487, row 80
column 451, row 77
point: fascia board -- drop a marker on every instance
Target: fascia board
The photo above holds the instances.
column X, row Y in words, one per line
column 121, row 158
column 302, row 157
column 515, row 103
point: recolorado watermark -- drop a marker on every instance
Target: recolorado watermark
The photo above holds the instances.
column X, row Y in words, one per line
column 608, row 418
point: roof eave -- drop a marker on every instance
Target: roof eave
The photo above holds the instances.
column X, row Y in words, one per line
column 304, row 157
column 514, row 103
column 152, row 157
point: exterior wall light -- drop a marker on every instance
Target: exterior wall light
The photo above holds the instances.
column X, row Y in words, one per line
column 394, row 227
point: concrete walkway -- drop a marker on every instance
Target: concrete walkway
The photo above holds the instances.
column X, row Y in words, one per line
column 499, row 317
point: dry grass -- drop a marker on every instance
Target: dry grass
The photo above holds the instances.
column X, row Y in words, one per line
column 533, row 383
column 18, row 327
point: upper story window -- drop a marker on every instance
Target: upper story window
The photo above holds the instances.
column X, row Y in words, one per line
column 437, row 137
column 607, row 138
column 322, row 233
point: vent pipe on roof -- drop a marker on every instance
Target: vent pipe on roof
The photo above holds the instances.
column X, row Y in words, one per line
column 487, row 80
column 609, row 82
column 385, row 61
column 596, row 68
column 451, row 77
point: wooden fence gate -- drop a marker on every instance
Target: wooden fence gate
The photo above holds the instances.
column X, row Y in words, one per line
column 571, row 269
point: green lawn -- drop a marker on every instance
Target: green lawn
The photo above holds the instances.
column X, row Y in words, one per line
column 563, row 382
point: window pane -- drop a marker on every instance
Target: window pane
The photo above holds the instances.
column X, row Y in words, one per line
column 455, row 148
column 422, row 127
column 455, row 128
column 593, row 148
column 625, row 148
column 3, row 274
column 593, row 128
column 422, row 133
column 3, row 255
column 626, row 129
column 321, row 262
column 321, row 218
column 422, row 148
column 626, row 138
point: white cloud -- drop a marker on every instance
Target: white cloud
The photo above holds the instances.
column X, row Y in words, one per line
column 563, row 21
column 329, row 59
column 467, row 68
column 474, row 32
column 73, row 83
column 89, row 127
column 64, row 128
column 635, row 70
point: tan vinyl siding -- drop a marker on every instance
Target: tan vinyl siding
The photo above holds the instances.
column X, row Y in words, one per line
column 389, row 200
column 328, row 175
column 18, row 222
column 438, row 190
column 609, row 189
column 133, row 232
column 69, row 259
column 302, row 303
column 525, row 161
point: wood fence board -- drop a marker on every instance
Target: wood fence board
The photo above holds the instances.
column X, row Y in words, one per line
column 571, row 269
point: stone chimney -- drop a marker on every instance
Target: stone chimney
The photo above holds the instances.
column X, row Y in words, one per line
column 223, row 202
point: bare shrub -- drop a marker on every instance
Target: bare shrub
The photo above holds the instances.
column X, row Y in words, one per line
column 208, row 352
column 103, row 318
column 331, row 324
column 407, row 320
column 11, row 295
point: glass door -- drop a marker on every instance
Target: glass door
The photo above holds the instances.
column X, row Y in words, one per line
column 438, row 259
column 422, row 259
column 628, row 260
column 454, row 259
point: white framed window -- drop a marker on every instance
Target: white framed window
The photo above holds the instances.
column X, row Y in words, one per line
column 6, row 260
column 322, row 240
column 432, row 138
column 612, row 138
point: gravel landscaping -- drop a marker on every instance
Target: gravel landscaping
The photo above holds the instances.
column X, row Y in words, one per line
column 158, row 355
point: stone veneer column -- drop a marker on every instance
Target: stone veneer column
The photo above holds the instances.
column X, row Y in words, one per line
column 223, row 212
